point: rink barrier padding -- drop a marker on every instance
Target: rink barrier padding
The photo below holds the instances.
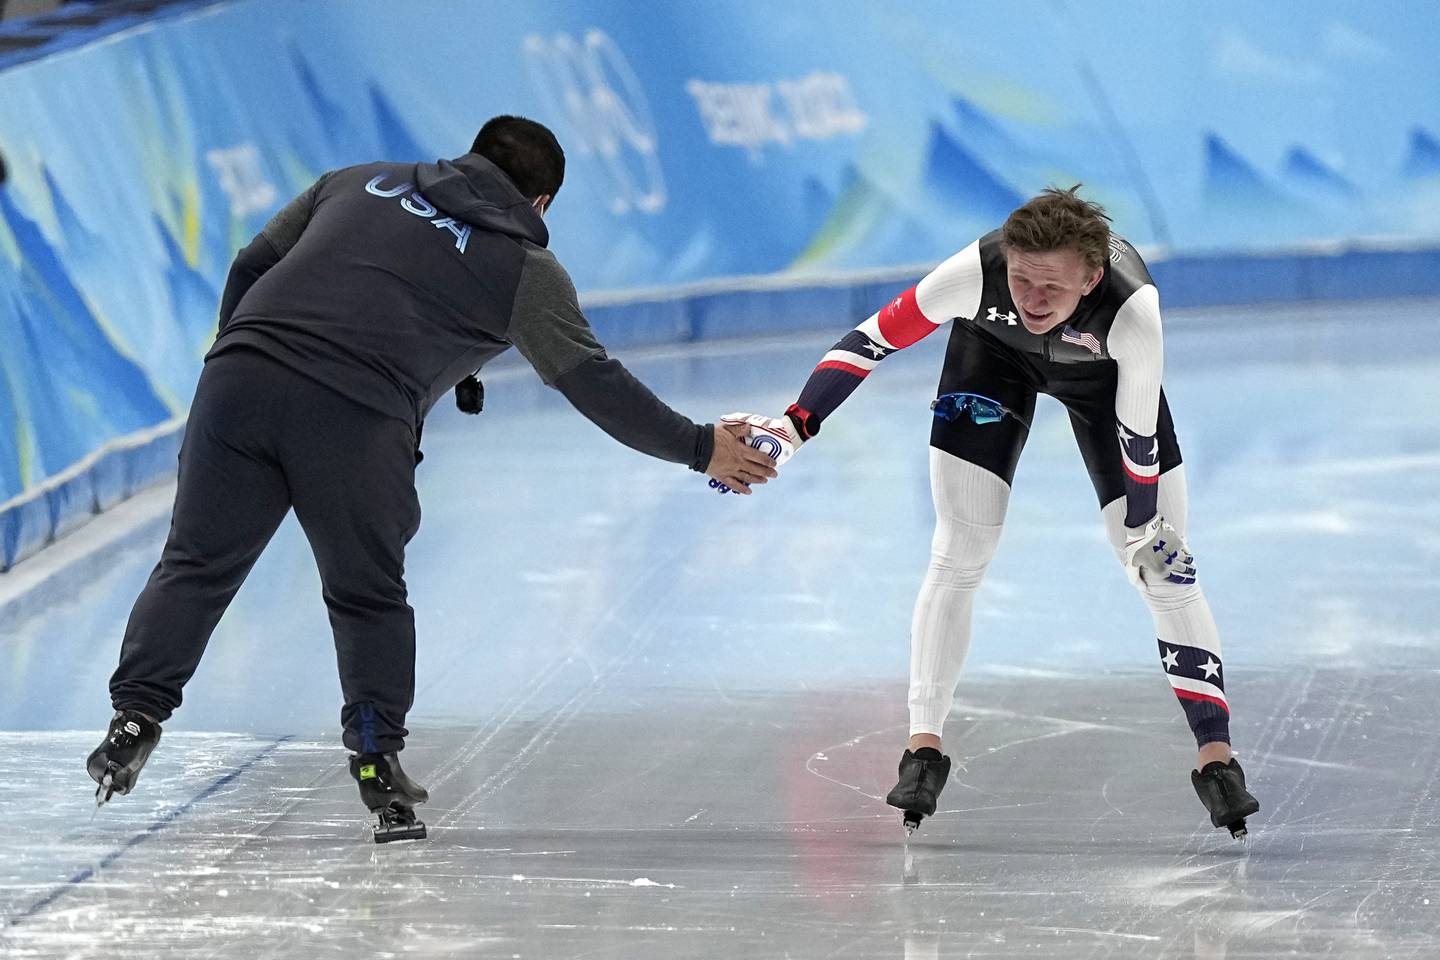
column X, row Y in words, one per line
column 112, row 261
column 754, row 307
column 77, row 24
column 111, row 475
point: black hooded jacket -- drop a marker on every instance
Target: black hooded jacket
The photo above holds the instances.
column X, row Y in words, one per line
column 391, row 282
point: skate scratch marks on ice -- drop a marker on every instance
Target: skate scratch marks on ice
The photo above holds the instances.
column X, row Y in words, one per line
column 1064, row 725
column 150, row 831
column 1311, row 762
column 1067, row 728
column 1099, row 933
column 820, row 756
column 477, row 743
column 1105, row 795
column 543, row 737
column 593, row 881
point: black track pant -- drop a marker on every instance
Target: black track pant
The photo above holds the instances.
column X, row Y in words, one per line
column 260, row 440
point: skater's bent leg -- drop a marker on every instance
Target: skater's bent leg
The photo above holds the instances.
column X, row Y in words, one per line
column 229, row 499
column 1189, row 642
column 355, row 499
column 970, row 504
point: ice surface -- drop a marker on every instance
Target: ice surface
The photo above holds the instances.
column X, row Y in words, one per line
column 657, row 722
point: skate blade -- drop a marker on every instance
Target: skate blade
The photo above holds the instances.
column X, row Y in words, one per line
column 105, row 790
column 390, row 832
column 911, row 822
column 1240, row 831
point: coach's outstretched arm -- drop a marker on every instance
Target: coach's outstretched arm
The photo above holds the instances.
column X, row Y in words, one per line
column 551, row 331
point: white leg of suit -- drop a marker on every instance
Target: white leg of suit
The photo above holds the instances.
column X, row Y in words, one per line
column 970, row 505
column 1183, row 621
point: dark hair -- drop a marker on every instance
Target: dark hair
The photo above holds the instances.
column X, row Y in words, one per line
column 1058, row 219
column 527, row 151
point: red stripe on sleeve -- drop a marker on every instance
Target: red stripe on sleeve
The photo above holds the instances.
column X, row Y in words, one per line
column 846, row 367
column 902, row 323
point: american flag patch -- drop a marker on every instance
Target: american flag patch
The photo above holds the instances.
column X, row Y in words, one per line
column 1087, row 340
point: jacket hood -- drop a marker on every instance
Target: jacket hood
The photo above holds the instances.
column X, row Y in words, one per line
column 474, row 190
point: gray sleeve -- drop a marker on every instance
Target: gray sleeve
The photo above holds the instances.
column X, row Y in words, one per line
column 546, row 324
column 273, row 241
column 550, row 331
column 611, row 398
column 284, row 229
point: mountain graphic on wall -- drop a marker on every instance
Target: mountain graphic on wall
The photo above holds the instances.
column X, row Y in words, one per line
column 339, row 130
column 1240, row 203
column 1021, row 158
column 981, row 132
column 962, row 187
column 396, row 141
column 345, row 131
column 193, row 301
column 816, row 202
column 81, row 245
column 1422, row 159
column 866, row 227
column 79, row 390
column 1310, row 176
column 192, row 297
column 107, row 282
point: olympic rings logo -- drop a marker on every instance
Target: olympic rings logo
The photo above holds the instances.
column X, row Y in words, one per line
column 591, row 84
column 766, row 445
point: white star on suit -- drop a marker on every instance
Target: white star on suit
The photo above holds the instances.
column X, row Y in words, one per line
column 1171, row 659
column 876, row 349
column 1125, row 435
column 1210, row 667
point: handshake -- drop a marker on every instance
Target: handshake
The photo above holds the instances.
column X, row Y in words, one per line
column 748, row 448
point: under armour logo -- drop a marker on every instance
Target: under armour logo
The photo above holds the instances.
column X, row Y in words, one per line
column 995, row 315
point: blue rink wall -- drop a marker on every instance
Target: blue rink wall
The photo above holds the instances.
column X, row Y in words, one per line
column 754, row 307
column 705, row 142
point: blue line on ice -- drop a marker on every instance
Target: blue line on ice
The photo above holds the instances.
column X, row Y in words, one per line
column 142, row 836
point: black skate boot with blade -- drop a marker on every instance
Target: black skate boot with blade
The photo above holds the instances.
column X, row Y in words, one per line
column 1221, row 787
column 923, row 774
column 390, row 795
column 116, row 764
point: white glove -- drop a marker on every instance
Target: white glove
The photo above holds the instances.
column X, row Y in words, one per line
column 776, row 437
column 1157, row 553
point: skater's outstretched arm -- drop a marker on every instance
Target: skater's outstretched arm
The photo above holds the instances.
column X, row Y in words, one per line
column 951, row 290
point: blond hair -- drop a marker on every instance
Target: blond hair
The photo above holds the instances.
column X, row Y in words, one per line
column 1058, row 219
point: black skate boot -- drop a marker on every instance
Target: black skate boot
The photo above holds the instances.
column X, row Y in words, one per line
column 390, row 795
column 1221, row 787
column 923, row 775
column 116, row 764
